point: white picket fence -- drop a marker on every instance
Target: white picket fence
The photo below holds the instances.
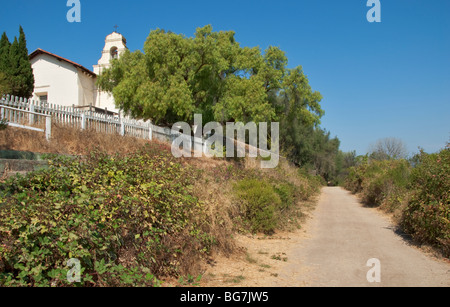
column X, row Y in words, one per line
column 30, row 113
column 17, row 118
column 39, row 116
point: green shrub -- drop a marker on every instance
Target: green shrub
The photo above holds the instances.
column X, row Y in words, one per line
column 259, row 203
column 427, row 217
column 382, row 178
column 353, row 182
column 287, row 194
column 378, row 180
column 311, row 184
column 129, row 220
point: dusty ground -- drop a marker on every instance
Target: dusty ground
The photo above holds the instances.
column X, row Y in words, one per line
column 332, row 249
column 260, row 259
column 258, row 264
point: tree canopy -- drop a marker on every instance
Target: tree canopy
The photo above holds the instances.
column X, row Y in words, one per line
column 209, row 74
column 175, row 77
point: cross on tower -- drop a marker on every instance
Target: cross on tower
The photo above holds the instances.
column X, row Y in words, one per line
column 115, row 27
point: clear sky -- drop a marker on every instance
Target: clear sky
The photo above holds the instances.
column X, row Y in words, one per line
column 388, row 79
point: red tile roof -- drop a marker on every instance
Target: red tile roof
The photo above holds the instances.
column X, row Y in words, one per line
column 40, row 51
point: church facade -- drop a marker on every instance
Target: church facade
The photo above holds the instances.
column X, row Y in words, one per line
column 63, row 82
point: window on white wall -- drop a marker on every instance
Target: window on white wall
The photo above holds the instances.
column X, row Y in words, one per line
column 43, row 98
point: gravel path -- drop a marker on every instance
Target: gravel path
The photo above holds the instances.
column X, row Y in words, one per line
column 343, row 236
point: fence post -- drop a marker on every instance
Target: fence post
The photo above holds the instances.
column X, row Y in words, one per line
column 83, row 121
column 122, row 127
column 31, row 117
column 48, row 127
column 150, row 128
column 16, row 105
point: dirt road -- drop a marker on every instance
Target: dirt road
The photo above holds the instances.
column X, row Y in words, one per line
column 331, row 250
column 341, row 238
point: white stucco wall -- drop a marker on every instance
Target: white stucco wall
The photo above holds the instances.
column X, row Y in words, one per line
column 63, row 83
column 106, row 100
column 87, row 89
column 56, row 78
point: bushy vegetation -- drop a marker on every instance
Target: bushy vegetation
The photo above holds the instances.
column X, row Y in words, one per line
column 259, row 202
column 418, row 194
column 267, row 201
column 377, row 181
column 427, row 216
column 129, row 220
column 137, row 218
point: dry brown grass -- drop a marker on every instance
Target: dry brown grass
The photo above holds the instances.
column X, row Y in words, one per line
column 219, row 208
column 68, row 141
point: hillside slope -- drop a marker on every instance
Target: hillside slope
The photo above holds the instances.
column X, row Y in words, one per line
column 131, row 213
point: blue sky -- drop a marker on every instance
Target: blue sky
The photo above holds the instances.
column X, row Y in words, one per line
column 388, row 79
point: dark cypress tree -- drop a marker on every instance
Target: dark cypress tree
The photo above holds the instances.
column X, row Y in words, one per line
column 5, row 84
column 17, row 74
column 26, row 77
column 4, row 52
column 13, row 71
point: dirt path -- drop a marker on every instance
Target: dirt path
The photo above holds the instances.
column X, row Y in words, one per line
column 332, row 250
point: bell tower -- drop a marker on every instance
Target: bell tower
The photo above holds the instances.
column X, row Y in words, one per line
column 115, row 45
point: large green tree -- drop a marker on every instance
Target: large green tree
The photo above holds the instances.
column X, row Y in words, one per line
column 16, row 76
column 210, row 73
column 176, row 77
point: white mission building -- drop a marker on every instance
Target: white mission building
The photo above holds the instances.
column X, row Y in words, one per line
column 63, row 82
